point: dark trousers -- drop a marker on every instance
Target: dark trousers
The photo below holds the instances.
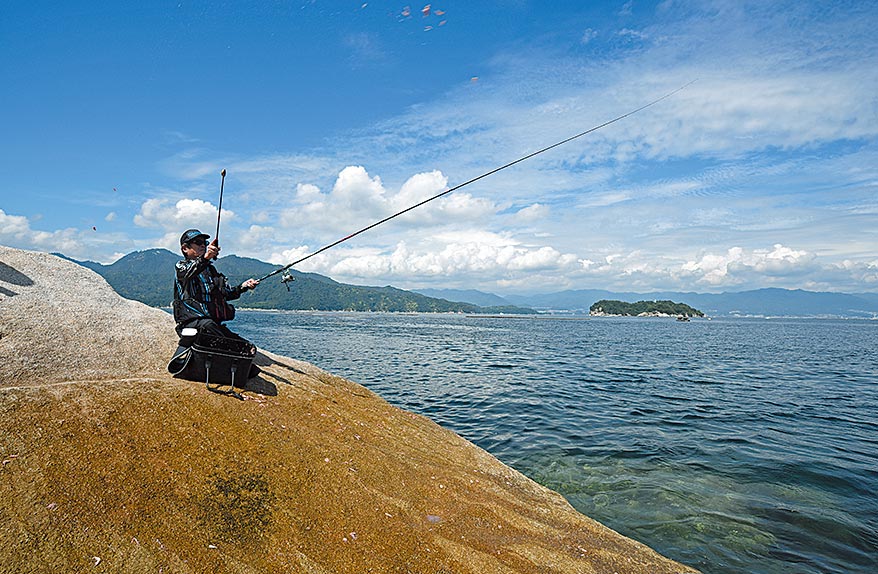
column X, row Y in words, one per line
column 210, row 327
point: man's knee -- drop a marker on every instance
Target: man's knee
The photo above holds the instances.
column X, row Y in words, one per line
column 208, row 326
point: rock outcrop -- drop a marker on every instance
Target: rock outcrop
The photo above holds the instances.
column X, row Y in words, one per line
column 111, row 465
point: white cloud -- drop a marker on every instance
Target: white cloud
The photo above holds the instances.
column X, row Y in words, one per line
column 358, row 199
column 540, row 259
column 306, row 192
column 734, row 269
column 738, row 266
column 289, row 255
column 362, row 264
column 355, row 199
column 355, row 190
column 257, row 239
column 419, row 187
column 462, row 207
column 170, row 219
column 13, row 226
column 534, row 212
column 451, row 254
column 163, row 215
column 16, row 231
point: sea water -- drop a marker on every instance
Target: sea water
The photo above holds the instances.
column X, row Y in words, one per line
column 732, row 445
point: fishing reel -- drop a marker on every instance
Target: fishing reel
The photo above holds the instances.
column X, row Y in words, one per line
column 286, row 279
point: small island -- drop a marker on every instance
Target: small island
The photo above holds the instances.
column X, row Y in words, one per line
column 608, row 308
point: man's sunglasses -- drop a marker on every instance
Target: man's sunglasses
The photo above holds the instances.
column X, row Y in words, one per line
column 200, row 242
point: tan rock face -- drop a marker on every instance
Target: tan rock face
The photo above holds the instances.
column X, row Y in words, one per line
column 119, row 468
column 60, row 322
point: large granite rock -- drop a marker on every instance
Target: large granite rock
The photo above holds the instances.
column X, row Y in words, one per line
column 110, row 465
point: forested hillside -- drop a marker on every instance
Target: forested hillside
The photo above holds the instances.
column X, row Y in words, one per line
column 147, row 276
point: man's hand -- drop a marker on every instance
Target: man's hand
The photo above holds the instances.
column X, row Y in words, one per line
column 250, row 284
column 212, row 250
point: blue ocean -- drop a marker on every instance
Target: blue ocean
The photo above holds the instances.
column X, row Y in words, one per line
column 732, row 445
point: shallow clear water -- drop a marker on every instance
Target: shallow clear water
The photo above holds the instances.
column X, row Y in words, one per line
column 731, row 445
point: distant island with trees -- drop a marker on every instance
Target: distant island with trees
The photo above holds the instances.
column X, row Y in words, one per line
column 643, row 309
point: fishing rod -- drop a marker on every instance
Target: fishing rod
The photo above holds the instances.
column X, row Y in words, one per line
column 286, row 278
column 219, row 210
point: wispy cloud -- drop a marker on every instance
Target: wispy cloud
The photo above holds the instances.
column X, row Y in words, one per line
column 364, row 49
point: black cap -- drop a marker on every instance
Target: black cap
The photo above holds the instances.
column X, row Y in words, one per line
column 191, row 234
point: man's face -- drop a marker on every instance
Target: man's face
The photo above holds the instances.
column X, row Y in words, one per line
column 194, row 248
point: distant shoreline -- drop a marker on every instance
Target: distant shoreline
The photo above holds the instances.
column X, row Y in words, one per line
column 544, row 317
column 553, row 316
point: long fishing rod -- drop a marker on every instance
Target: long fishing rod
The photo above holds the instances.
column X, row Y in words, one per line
column 473, row 180
column 219, row 210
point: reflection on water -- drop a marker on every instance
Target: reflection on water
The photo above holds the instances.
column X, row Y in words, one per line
column 730, row 445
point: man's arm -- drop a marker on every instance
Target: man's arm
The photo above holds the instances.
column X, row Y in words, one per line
column 232, row 293
column 188, row 269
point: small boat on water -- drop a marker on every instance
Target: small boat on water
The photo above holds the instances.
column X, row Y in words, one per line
column 682, row 318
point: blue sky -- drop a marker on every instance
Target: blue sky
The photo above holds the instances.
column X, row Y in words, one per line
column 119, row 116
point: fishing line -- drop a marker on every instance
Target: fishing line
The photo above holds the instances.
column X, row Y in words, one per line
column 473, row 180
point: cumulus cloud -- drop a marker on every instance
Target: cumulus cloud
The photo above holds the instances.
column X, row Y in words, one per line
column 738, row 266
column 859, row 273
column 734, row 269
column 358, row 198
column 356, row 190
column 13, row 226
column 164, row 215
column 287, row 256
column 420, row 187
column 306, row 192
column 446, row 255
column 355, row 195
column 169, row 219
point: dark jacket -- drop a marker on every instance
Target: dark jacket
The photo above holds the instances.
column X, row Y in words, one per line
column 200, row 291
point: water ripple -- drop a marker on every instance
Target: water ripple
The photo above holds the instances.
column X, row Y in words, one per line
column 736, row 446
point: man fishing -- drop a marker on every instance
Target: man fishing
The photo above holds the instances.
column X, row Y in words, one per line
column 200, row 291
column 201, row 295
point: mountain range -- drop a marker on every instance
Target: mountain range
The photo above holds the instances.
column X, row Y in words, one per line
column 146, row 276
